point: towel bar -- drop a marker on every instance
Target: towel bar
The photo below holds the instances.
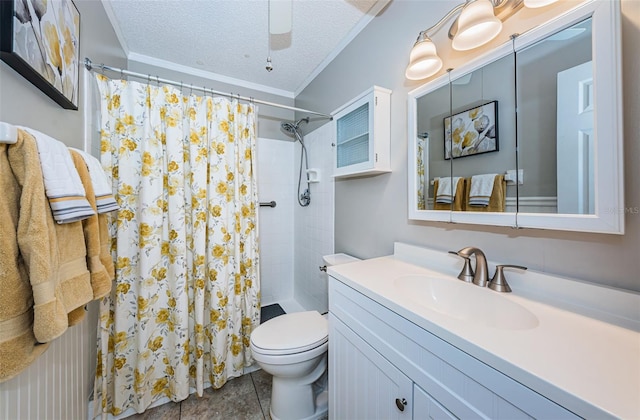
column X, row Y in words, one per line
column 510, row 177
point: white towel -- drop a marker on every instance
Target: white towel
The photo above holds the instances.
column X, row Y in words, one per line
column 447, row 187
column 63, row 187
column 104, row 198
column 481, row 189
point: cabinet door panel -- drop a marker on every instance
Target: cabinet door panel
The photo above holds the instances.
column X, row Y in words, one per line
column 362, row 383
column 363, row 135
column 425, row 407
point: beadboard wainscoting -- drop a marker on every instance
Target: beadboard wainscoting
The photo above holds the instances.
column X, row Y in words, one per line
column 57, row 385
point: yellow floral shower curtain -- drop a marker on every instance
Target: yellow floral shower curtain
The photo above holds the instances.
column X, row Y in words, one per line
column 185, row 244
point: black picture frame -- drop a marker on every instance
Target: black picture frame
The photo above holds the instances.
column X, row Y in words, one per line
column 34, row 44
column 474, row 131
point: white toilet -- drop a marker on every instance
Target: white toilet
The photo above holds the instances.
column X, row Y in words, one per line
column 293, row 349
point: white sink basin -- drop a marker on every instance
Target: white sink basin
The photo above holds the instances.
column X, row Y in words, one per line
column 466, row 301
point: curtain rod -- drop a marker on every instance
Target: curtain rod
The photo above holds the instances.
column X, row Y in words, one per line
column 90, row 66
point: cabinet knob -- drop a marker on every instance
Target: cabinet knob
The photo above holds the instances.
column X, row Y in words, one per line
column 401, row 403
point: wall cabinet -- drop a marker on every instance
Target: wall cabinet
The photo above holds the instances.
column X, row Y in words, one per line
column 377, row 357
column 363, row 134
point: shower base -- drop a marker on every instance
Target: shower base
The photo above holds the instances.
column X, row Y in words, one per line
column 270, row 311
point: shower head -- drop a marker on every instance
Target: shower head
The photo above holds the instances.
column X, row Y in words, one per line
column 288, row 127
column 292, row 127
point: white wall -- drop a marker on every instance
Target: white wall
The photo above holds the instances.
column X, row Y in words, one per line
column 314, row 224
column 275, row 182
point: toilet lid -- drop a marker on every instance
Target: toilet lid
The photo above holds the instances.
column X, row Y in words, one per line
column 291, row 333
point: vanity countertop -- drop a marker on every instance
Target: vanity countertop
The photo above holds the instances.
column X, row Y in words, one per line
column 588, row 366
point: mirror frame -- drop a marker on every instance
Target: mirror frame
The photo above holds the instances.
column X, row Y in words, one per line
column 609, row 180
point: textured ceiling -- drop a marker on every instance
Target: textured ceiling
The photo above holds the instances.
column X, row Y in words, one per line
column 229, row 38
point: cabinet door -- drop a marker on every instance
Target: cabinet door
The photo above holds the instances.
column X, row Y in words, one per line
column 362, row 383
column 354, row 144
column 425, row 407
column 363, row 135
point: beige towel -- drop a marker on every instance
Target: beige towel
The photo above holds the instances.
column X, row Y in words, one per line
column 100, row 279
column 24, row 209
column 458, row 198
column 74, row 279
column 497, row 200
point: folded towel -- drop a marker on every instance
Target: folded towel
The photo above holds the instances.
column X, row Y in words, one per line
column 447, row 186
column 102, row 188
column 481, row 188
column 497, row 199
column 458, row 197
column 67, row 197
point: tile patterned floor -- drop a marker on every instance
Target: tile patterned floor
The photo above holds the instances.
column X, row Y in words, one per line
column 244, row 398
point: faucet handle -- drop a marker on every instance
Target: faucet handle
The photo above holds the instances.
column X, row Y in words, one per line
column 467, row 272
column 499, row 281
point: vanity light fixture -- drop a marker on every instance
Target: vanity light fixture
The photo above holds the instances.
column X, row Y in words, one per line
column 478, row 22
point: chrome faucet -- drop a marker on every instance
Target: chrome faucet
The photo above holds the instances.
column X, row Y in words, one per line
column 479, row 276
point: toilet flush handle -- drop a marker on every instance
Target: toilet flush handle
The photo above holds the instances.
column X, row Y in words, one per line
column 323, row 268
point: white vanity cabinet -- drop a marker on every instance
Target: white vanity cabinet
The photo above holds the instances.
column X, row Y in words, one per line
column 364, row 385
column 363, row 134
column 377, row 357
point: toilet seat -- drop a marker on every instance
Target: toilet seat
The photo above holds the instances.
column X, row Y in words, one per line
column 290, row 334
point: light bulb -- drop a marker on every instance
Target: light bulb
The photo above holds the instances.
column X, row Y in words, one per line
column 534, row 4
column 423, row 59
column 477, row 25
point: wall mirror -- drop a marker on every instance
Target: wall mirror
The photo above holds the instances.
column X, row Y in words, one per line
column 556, row 162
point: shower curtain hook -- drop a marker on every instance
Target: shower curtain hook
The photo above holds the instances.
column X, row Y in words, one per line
column 121, row 74
column 191, row 89
column 158, row 80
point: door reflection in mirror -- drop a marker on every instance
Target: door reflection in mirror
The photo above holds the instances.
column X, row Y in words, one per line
column 556, row 123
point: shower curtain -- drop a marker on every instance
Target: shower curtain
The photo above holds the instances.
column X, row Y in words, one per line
column 185, row 242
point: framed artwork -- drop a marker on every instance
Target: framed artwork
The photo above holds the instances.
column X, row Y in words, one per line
column 471, row 132
column 40, row 39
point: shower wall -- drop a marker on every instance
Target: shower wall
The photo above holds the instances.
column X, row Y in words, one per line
column 314, row 224
column 293, row 239
column 276, row 182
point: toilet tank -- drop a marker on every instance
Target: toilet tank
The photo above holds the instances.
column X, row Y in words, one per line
column 337, row 259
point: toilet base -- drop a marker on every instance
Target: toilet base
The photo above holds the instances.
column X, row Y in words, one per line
column 322, row 408
column 303, row 398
